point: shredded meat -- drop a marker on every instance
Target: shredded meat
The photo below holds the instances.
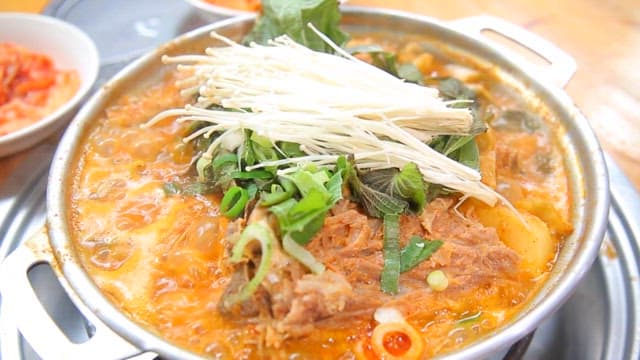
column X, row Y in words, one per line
column 316, row 297
column 294, row 302
column 289, row 299
column 351, row 244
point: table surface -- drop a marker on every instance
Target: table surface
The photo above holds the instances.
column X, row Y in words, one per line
column 603, row 38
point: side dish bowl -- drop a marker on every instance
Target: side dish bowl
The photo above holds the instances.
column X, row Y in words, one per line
column 117, row 336
column 69, row 48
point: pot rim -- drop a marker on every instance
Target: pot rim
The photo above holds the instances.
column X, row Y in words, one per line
column 594, row 172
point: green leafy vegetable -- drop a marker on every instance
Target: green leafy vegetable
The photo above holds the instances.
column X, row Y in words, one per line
column 281, row 17
column 517, row 120
column 391, row 250
column 410, row 73
column 453, row 89
column 417, row 251
column 387, row 191
column 406, row 184
column 387, row 61
column 469, row 155
column 463, row 149
column 376, row 203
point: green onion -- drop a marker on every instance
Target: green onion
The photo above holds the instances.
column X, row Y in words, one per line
column 222, row 159
column 252, row 190
column 302, row 219
column 234, row 201
column 290, row 149
column 391, row 250
column 253, row 174
column 201, row 167
column 437, row 280
column 301, row 254
column 279, row 193
column 261, row 140
column 262, row 233
column 307, row 181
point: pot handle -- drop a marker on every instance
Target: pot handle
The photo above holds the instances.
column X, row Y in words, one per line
column 33, row 321
column 561, row 66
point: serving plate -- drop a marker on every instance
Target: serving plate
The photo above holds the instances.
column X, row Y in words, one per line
column 472, row 26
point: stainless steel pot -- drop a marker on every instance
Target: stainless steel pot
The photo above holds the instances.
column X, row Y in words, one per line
column 114, row 335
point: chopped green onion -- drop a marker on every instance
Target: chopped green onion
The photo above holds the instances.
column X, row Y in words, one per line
column 301, row 254
column 334, row 187
column 253, row 174
column 261, row 140
column 201, row 167
column 307, row 181
column 222, row 159
column 391, row 250
column 304, row 218
column 290, row 149
column 279, row 193
column 252, row 190
column 262, row 233
column 234, row 201
column 437, row 280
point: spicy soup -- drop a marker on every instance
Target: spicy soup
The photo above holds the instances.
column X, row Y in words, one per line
column 161, row 255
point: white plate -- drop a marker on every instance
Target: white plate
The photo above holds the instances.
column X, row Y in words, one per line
column 69, row 48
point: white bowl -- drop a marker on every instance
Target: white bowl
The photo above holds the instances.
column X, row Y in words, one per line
column 69, row 48
column 217, row 10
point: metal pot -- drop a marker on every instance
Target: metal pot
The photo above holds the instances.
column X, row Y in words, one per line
column 114, row 335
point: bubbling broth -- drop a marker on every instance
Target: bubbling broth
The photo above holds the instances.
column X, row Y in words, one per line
column 158, row 246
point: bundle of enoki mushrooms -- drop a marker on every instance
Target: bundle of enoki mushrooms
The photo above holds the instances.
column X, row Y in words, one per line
column 331, row 105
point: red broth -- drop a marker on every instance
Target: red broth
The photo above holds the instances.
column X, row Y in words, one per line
column 162, row 258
